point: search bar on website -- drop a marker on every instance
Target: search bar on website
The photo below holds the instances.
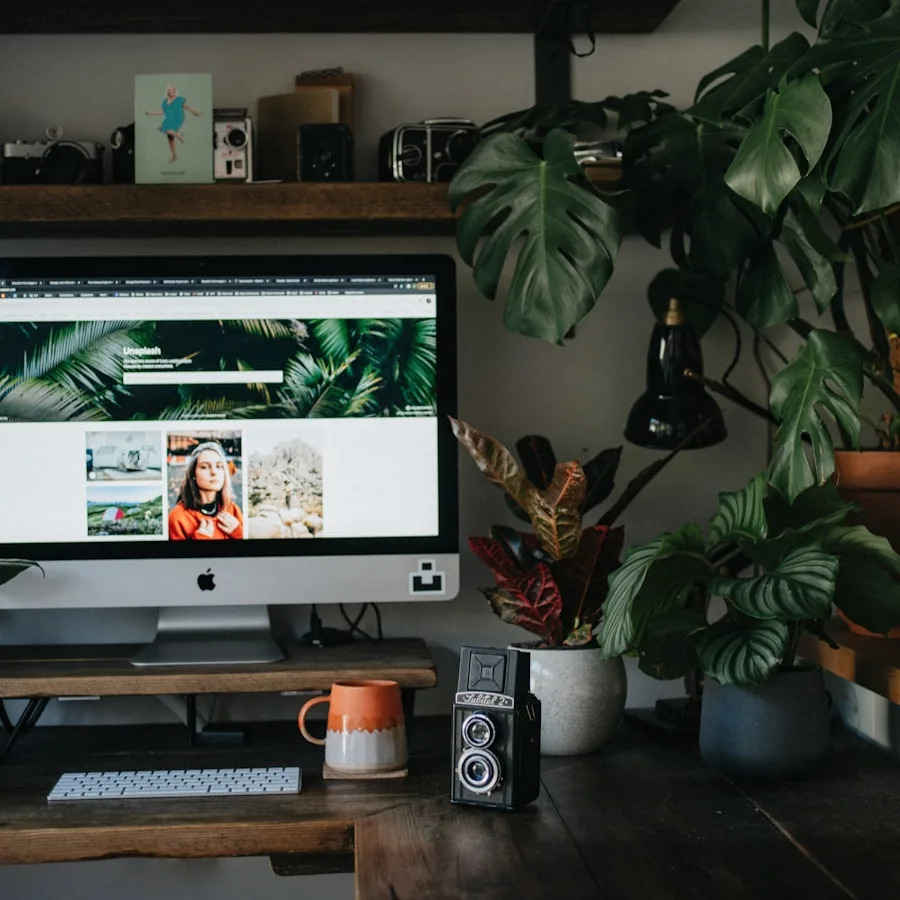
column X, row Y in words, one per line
column 259, row 376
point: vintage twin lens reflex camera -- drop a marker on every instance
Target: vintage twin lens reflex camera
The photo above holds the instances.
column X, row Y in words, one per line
column 232, row 145
column 429, row 151
column 496, row 730
column 54, row 161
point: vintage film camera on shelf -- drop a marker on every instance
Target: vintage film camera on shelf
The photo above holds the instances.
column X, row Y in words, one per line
column 428, row 151
column 496, row 730
column 232, row 145
column 54, row 161
column 326, row 152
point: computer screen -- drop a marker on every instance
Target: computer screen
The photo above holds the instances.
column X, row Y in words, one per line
column 181, row 430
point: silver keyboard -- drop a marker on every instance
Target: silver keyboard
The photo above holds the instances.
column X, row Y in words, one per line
column 176, row 783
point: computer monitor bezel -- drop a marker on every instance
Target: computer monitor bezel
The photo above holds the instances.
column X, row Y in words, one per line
column 440, row 266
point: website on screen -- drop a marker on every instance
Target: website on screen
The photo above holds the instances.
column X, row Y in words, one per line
column 169, row 409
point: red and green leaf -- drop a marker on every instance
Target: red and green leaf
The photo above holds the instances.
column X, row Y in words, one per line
column 556, row 512
column 496, row 555
column 533, row 602
column 538, row 459
column 494, row 460
column 583, row 579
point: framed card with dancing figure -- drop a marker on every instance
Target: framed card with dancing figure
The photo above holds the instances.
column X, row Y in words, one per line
column 173, row 128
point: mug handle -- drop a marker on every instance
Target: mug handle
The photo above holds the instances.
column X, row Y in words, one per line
column 301, row 718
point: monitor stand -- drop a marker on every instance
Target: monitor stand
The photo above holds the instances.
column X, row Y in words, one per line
column 210, row 636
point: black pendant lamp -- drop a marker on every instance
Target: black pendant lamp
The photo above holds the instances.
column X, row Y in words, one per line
column 674, row 406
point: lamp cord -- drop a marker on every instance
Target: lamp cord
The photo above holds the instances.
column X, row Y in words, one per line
column 354, row 623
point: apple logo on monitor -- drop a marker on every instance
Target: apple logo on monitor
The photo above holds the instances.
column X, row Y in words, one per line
column 206, row 581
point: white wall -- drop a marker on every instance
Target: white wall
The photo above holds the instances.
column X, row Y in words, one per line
column 579, row 395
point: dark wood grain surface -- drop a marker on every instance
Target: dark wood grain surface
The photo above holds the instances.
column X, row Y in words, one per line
column 430, row 848
column 644, row 819
column 105, row 670
column 233, row 16
column 148, row 209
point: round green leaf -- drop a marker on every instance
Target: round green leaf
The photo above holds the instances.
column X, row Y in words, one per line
column 740, row 654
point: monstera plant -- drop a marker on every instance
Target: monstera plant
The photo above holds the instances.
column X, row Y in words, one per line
column 781, row 172
column 552, row 581
column 805, row 558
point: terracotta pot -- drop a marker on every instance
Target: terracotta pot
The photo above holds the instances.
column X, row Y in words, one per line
column 871, row 480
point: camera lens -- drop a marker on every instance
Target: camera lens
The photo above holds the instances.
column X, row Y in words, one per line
column 236, row 137
column 479, row 731
column 459, row 145
column 478, row 770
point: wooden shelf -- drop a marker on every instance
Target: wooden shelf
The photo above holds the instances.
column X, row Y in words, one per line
column 310, row 16
column 155, row 209
column 872, row 663
column 104, row 670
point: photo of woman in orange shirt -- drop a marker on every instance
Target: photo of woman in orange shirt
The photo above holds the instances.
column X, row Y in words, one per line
column 206, row 510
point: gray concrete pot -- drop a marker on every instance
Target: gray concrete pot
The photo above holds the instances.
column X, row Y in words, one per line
column 779, row 729
column 582, row 697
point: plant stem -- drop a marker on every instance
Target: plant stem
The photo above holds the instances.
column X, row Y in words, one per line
column 889, row 237
column 877, row 333
column 733, row 394
column 766, row 20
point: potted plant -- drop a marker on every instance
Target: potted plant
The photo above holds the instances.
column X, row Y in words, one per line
column 776, row 570
column 778, row 176
column 552, row 580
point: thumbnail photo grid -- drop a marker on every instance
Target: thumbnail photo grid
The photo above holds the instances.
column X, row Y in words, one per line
column 260, row 483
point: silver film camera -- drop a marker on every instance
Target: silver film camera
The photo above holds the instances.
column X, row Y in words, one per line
column 57, row 160
column 232, row 145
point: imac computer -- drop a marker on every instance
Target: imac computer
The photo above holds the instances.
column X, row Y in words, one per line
column 211, row 436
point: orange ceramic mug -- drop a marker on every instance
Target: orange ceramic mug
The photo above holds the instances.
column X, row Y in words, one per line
column 365, row 732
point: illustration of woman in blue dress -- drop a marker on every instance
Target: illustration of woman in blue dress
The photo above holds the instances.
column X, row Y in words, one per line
column 172, row 110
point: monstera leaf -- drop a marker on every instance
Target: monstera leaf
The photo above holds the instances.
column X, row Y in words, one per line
column 742, row 652
column 886, row 297
column 744, row 80
column 569, row 235
column 765, row 170
column 863, row 58
column 825, row 377
column 677, row 165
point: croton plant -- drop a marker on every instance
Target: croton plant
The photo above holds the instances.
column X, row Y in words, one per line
column 552, row 580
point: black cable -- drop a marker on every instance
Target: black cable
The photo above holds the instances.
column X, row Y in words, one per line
column 354, row 623
column 5, row 720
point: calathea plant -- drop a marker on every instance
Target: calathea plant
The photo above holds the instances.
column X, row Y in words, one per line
column 803, row 558
column 553, row 580
column 781, row 172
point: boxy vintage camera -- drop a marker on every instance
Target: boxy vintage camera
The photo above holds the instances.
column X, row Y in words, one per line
column 326, row 152
column 54, row 161
column 429, row 151
column 496, row 730
column 232, row 145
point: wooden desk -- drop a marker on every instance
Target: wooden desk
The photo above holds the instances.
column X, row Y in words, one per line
column 642, row 820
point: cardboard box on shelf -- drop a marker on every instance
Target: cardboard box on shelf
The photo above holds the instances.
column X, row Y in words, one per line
column 278, row 124
column 337, row 79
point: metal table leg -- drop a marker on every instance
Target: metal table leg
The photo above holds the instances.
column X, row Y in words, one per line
column 30, row 715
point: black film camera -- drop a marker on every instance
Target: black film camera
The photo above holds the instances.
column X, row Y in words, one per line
column 496, row 730
column 326, row 152
column 428, row 151
column 122, row 143
column 55, row 161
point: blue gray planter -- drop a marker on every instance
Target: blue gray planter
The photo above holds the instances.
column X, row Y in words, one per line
column 779, row 729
